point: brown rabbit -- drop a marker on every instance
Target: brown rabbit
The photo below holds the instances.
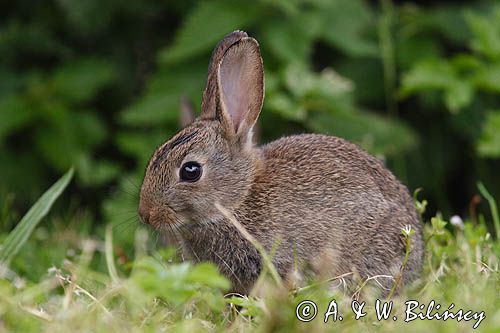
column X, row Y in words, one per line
column 322, row 201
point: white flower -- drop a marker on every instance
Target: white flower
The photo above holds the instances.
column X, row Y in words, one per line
column 456, row 221
column 406, row 230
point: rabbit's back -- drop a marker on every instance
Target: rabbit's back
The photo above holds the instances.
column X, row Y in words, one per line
column 332, row 206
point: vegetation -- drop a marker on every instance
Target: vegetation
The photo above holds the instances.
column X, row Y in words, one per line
column 95, row 85
column 68, row 281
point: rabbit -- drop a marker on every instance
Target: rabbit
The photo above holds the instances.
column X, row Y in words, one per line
column 316, row 202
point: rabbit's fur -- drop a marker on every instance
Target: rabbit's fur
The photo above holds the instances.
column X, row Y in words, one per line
column 318, row 201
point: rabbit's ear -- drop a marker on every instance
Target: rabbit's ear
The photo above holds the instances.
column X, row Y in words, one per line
column 240, row 87
column 211, row 95
column 187, row 115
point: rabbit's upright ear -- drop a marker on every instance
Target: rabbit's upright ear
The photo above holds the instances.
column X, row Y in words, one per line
column 235, row 85
column 211, row 94
column 241, row 87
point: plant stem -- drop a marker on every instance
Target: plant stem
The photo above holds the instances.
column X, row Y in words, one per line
column 403, row 265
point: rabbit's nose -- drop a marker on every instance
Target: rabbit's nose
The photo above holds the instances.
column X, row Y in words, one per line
column 144, row 212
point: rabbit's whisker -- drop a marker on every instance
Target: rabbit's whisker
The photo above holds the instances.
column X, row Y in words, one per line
column 180, row 228
column 130, row 194
column 126, row 224
column 136, row 186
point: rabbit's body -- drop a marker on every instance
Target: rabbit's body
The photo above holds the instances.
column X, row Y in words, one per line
column 347, row 215
column 319, row 201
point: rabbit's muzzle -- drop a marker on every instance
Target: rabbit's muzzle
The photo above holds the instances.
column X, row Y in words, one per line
column 157, row 216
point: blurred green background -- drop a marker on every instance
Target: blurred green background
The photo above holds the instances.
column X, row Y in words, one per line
column 96, row 84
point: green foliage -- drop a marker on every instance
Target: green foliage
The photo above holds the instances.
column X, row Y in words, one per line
column 466, row 77
column 488, row 144
column 176, row 283
column 203, row 27
column 97, row 86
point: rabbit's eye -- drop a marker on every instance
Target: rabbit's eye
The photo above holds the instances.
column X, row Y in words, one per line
column 190, row 172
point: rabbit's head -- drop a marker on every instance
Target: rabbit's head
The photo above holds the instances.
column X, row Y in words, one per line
column 212, row 159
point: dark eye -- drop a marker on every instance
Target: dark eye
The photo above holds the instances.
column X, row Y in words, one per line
column 190, row 172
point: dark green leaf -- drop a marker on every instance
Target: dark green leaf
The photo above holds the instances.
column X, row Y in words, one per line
column 486, row 32
column 377, row 134
column 205, row 26
column 15, row 113
column 80, row 80
column 345, row 24
column 488, row 144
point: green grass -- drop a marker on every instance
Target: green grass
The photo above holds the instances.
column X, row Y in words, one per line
column 66, row 279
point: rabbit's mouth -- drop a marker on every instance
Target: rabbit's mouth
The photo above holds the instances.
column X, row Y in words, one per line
column 161, row 219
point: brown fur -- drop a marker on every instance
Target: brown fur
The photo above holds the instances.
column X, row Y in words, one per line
column 327, row 203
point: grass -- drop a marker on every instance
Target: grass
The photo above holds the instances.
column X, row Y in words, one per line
column 67, row 279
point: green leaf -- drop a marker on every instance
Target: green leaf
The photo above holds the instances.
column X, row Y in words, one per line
column 434, row 23
column 285, row 106
column 430, row 74
column 11, row 81
column 37, row 212
column 486, row 32
column 161, row 102
column 87, row 17
column 69, row 136
column 487, row 78
column 141, row 145
column 15, row 114
column 153, row 109
column 438, row 225
column 288, row 40
column 344, row 25
column 80, row 80
column 488, row 144
column 249, row 305
column 208, row 275
column 95, row 172
column 458, row 95
column 437, row 74
column 376, row 134
column 412, row 50
column 205, row 26
column 288, row 7
column 327, row 84
column 176, row 283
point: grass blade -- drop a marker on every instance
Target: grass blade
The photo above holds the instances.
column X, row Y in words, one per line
column 110, row 261
column 493, row 207
column 25, row 227
column 266, row 260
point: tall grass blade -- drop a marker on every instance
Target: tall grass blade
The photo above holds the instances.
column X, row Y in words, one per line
column 493, row 207
column 17, row 237
column 110, row 261
column 266, row 260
